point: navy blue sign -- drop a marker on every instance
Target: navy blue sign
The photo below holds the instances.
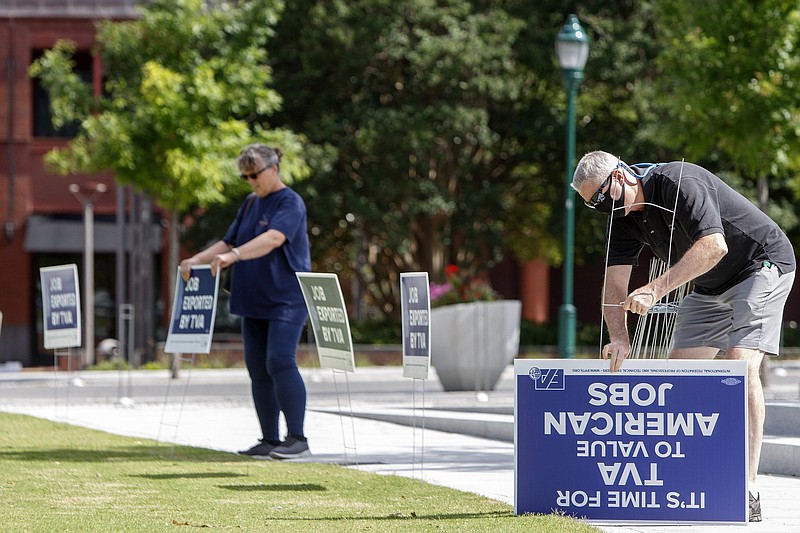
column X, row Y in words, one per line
column 415, row 313
column 61, row 304
column 193, row 312
column 660, row 441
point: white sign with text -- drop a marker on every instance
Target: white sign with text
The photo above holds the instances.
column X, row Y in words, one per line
column 61, row 306
column 328, row 315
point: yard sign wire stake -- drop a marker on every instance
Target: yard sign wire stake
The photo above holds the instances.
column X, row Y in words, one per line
column 179, row 414
column 414, row 461
column 422, row 434
column 55, row 383
column 124, row 354
column 652, row 338
column 342, row 415
column 56, row 354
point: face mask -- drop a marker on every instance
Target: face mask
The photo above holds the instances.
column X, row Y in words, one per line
column 609, row 206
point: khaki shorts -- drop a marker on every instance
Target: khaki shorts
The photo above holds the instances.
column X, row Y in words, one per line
column 748, row 315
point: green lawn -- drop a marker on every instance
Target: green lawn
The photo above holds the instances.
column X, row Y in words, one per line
column 61, row 478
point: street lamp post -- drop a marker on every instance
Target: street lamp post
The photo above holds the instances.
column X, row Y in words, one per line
column 572, row 49
column 87, row 201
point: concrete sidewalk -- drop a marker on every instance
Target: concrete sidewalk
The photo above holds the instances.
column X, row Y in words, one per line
column 461, row 440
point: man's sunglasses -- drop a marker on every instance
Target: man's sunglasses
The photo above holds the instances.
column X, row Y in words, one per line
column 254, row 175
column 598, row 196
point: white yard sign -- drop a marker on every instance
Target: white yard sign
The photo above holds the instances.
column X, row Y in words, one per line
column 61, row 307
column 328, row 315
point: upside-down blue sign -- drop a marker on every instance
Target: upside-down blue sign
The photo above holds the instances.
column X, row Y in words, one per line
column 194, row 309
column 656, row 441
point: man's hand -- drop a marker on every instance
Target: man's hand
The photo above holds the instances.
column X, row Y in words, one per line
column 640, row 300
column 617, row 351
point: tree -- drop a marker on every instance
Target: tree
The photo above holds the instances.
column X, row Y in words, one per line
column 727, row 88
column 610, row 109
column 184, row 87
column 402, row 92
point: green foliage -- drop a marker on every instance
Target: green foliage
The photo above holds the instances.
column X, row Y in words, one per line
column 184, row 85
column 376, row 332
column 110, row 364
column 419, row 176
column 727, row 84
column 781, row 206
column 609, row 109
column 531, row 334
column 790, row 335
column 56, row 68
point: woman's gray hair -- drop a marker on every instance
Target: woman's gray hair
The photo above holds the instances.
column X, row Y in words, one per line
column 254, row 155
column 592, row 167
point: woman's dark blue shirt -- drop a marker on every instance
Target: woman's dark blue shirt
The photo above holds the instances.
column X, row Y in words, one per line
column 267, row 287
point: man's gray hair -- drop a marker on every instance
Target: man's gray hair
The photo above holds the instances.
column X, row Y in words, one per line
column 593, row 167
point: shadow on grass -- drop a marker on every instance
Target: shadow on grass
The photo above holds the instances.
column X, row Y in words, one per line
column 409, row 516
column 278, row 487
column 189, row 475
column 122, row 453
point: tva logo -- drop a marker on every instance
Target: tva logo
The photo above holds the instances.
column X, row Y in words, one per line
column 547, row 378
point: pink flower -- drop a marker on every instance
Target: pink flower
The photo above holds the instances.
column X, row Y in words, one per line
column 437, row 290
column 460, row 289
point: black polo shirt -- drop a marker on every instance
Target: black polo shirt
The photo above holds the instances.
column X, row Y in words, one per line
column 703, row 204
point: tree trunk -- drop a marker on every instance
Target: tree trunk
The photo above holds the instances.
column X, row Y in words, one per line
column 431, row 251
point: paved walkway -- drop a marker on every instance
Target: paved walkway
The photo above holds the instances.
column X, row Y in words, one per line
column 212, row 408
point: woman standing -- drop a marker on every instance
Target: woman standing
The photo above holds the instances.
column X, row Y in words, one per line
column 266, row 244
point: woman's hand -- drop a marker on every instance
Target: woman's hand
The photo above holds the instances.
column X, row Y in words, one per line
column 186, row 267
column 223, row 260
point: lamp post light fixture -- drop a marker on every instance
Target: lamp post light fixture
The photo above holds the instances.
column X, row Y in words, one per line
column 86, row 196
column 572, row 49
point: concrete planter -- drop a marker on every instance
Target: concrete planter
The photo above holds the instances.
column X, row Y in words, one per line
column 472, row 343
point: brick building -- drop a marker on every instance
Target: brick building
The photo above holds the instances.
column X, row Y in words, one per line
column 42, row 219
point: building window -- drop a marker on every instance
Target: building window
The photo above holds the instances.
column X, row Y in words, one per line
column 42, row 114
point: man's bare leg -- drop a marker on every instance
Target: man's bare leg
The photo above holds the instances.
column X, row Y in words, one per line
column 755, row 396
column 756, row 408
